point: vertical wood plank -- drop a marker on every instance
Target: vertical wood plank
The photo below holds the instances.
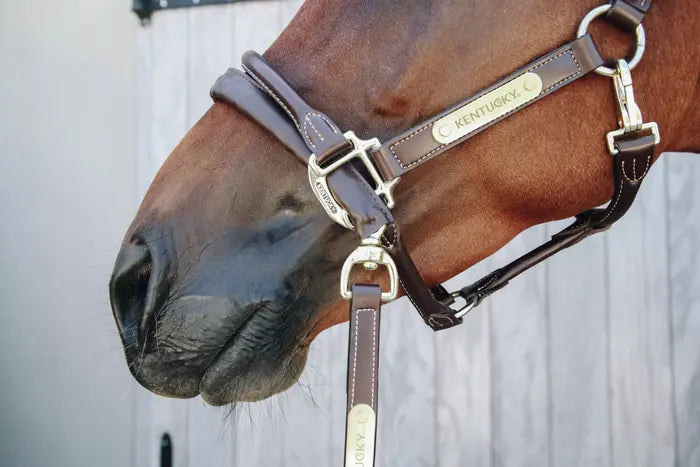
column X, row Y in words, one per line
column 519, row 362
column 463, row 388
column 407, row 420
column 577, row 292
column 640, row 367
column 209, row 49
column 684, row 237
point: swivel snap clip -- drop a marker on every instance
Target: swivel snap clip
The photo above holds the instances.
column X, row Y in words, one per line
column 631, row 120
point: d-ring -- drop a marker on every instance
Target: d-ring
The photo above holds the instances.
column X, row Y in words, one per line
column 641, row 40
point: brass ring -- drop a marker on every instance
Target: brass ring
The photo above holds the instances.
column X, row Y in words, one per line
column 641, row 40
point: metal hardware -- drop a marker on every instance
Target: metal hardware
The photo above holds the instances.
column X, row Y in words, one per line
column 631, row 119
column 370, row 254
column 360, row 436
column 639, row 32
column 468, row 306
column 319, row 185
column 487, row 108
column 145, row 8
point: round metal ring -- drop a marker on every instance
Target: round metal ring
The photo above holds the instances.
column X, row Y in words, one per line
column 641, row 40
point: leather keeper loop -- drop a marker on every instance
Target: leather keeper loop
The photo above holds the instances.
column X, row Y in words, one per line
column 624, row 15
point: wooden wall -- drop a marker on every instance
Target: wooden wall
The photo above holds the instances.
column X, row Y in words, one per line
column 592, row 359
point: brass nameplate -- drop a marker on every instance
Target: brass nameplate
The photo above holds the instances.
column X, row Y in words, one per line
column 359, row 444
column 487, row 108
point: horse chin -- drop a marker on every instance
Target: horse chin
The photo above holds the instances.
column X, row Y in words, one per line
column 256, row 379
column 227, row 354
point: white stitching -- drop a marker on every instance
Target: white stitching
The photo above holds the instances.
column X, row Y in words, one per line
column 460, row 140
column 636, row 179
column 612, row 208
column 308, row 120
column 431, row 320
column 374, row 353
column 273, row 95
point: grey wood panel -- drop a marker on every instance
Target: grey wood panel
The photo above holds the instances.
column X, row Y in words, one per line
column 640, row 365
column 577, row 304
column 209, row 49
column 463, row 384
column 683, row 220
column 519, row 362
column 407, row 419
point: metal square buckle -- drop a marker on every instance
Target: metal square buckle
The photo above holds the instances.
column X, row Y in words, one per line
column 319, row 184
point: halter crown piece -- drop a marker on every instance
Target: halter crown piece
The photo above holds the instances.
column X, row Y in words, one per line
column 361, row 199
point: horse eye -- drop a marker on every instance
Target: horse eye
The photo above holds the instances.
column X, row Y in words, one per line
column 290, row 204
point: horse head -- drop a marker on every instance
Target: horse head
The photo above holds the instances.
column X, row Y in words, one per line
column 230, row 268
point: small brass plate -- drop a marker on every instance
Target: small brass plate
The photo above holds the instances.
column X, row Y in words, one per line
column 359, row 444
column 487, row 108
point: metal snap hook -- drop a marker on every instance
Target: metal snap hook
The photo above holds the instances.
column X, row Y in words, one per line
column 639, row 32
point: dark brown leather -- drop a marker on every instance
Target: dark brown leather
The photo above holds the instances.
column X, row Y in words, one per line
column 322, row 136
column 417, row 145
column 363, row 349
column 367, row 210
column 239, row 90
column 432, row 305
column 628, row 14
column 630, row 166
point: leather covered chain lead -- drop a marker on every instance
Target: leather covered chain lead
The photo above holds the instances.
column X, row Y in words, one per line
column 313, row 137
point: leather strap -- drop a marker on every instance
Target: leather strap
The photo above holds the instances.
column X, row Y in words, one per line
column 321, row 135
column 363, row 375
column 418, row 145
column 367, row 210
column 628, row 14
column 631, row 165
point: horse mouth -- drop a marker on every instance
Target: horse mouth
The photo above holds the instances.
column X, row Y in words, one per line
column 260, row 359
column 203, row 347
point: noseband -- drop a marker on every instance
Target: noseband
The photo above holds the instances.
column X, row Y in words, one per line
column 353, row 180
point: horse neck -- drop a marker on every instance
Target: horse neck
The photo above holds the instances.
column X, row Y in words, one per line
column 380, row 67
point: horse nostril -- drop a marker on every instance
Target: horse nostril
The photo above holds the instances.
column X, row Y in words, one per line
column 130, row 290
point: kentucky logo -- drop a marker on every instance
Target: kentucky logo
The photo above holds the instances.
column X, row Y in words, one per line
column 359, row 443
column 490, row 107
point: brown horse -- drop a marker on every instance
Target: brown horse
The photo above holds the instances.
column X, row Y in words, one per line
column 231, row 266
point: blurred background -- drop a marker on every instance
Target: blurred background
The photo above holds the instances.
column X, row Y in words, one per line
column 592, row 359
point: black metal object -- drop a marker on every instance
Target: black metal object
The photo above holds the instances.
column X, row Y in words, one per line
column 166, row 451
column 145, row 8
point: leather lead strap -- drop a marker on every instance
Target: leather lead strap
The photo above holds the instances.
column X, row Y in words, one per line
column 363, row 375
column 630, row 167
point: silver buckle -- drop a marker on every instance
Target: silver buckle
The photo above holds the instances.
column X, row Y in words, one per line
column 631, row 119
column 319, row 184
column 370, row 254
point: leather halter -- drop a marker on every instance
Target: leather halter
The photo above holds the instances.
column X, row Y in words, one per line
column 363, row 203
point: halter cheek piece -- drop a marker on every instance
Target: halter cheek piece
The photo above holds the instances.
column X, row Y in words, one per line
column 363, row 204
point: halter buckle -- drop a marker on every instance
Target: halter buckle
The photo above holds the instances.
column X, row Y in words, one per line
column 631, row 119
column 319, row 185
column 370, row 254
